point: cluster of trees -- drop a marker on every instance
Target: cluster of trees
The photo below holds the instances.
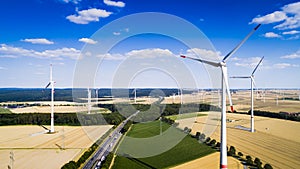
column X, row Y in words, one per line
column 174, row 109
column 280, row 115
column 126, row 127
column 231, row 151
column 169, row 121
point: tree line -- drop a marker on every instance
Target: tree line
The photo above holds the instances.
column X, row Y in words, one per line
column 70, row 119
column 248, row 160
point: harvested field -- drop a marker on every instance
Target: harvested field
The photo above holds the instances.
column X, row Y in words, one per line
column 275, row 141
column 209, row 162
column 34, row 149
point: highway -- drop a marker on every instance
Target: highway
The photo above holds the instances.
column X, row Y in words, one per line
column 107, row 146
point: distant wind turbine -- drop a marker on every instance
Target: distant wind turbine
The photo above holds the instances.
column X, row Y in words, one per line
column 225, row 87
column 252, row 84
column 97, row 97
column 89, row 100
column 134, row 91
column 51, row 82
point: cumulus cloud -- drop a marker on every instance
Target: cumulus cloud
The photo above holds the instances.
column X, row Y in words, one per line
column 292, row 56
column 276, row 16
column 284, row 65
column 291, row 32
column 248, row 62
column 114, row 3
column 150, row 53
column 87, row 40
column 271, row 35
column 38, row 41
column 73, row 1
column 203, row 53
column 139, row 54
column 89, row 15
column 289, row 17
column 58, row 54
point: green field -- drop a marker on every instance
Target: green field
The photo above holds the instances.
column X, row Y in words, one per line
column 144, row 130
column 4, row 111
column 188, row 149
column 185, row 116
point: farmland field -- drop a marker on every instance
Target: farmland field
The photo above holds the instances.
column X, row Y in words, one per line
column 275, row 141
column 186, row 115
column 34, row 149
column 210, row 161
column 188, row 149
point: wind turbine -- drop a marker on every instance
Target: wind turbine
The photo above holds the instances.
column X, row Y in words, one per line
column 89, row 100
column 225, row 87
column 134, row 91
column 51, row 82
column 252, row 84
column 97, row 97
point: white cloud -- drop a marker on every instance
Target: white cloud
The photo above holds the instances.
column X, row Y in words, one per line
column 248, row 62
column 89, row 15
column 292, row 56
column 289, row 16
column 114, row 3
column 235, row 59
column 110, row 56
column 38, row 41
column 284, row 65
column 73, row 1
column 7, row 50
column 276, row 16
column 150, row 53
column 139, row 54
column 204, row 54
column 2, row 68
column 271, row 35
column 117, row 33
column 292, row 32
column 87, row 40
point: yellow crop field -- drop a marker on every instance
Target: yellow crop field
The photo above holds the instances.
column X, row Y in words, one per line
column 34, row 149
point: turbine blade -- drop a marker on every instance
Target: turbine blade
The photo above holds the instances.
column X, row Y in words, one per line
column 240, row 44
column 48, row 85
column 134, row 90
column 225, row 76
column 215, row 64
column 257, row 65
column 241, row 77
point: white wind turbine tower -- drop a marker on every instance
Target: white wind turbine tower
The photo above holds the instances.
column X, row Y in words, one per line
column 97, row 97
column 252, row 84
column 51, row 82
column 224, row 88
column 89, row 100
column 134, row 91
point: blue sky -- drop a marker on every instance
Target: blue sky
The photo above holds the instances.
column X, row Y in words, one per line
column 35, row 33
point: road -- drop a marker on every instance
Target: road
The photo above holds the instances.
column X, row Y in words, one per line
column 107, row 145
